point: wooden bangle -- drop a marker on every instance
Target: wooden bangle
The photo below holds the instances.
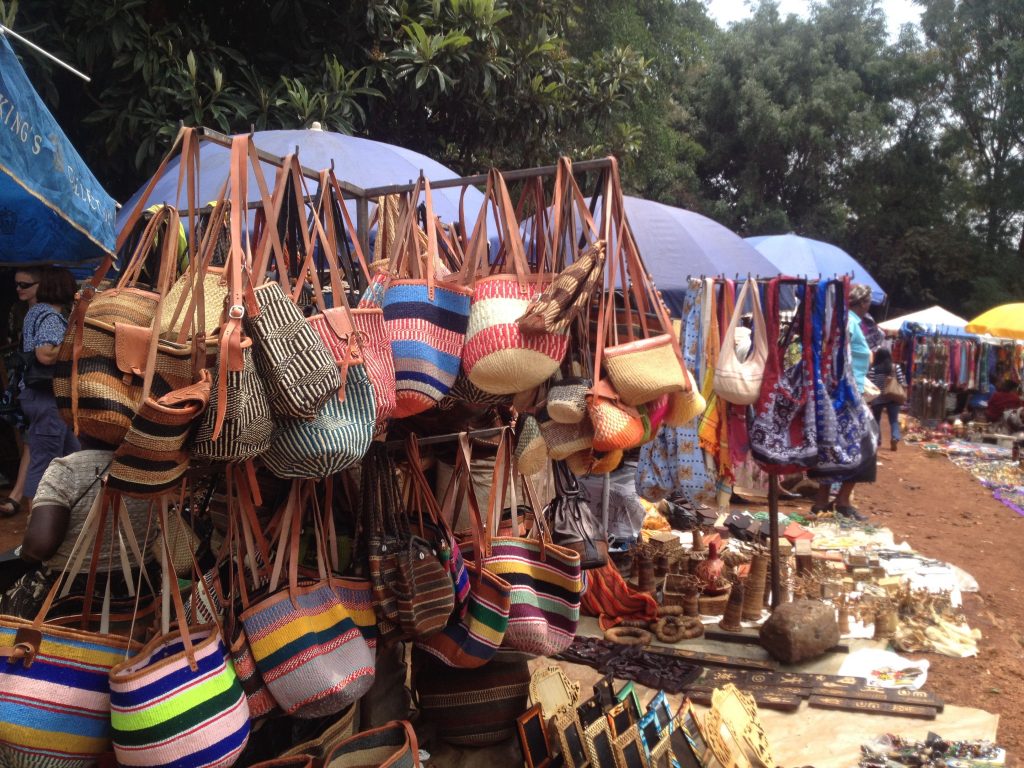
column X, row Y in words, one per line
column 672, row 629
column 635, row 623
column 628, row 636
column 670, row 610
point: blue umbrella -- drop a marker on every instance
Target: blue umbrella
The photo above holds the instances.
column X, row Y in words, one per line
column 362, row 162
column 801, row 256
column 52, row 209
column 675, row 243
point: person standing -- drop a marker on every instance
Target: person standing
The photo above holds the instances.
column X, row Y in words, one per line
column 860, row 361
column 882, row 367
column 48, row 292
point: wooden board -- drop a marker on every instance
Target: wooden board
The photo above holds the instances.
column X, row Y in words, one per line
column 872, row 707
column 872, row 693
column 764, row 700
column 713, row 659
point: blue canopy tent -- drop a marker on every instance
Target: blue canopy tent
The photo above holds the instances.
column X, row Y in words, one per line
column 676, row 244
column 801, row 256
column 52, row 208
column 361, row 162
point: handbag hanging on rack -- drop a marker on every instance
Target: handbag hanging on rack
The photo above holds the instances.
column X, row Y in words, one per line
column 498, row 357
column 739, row 381
column 573, row 524
column 426, row 317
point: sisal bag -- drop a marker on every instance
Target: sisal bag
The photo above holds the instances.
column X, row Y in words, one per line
column 475, row 632
column 309, row 650
column 531, row 451
column 563, row 440
column 567, row 400
column 739, row 381
column 54, row 687
column 616, row 426
column 178, row 700
column 393, row 745
column 426, row 317
column 544, row 610
column 471, row 707
column 893, row 391
column 112, row 356
column 684, row 407
column 498, row 358
column 154, row 455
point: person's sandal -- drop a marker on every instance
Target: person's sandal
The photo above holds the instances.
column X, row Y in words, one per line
column 819, row 512
column 851, row 513
column 9, row 507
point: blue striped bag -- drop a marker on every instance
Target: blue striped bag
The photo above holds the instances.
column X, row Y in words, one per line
column 426, row 319
column 179, row 703
column 55, row 693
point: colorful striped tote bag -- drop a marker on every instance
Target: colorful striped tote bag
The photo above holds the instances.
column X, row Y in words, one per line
column 475, row 632
column 544, row 603
column 179, row 703
column 426, row 318
column 55, row 693
column 498, row 357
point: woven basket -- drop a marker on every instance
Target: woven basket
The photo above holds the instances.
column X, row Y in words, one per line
column 643, row 370
column 563, row 440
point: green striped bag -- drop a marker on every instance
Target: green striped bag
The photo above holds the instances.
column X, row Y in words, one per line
column 178, row 703
column 393, row 745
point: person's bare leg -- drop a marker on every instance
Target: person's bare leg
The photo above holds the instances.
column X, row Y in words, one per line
column 16, row 496
column 845, row 491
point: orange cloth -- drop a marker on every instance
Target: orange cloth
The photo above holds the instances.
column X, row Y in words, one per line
column 612, row 600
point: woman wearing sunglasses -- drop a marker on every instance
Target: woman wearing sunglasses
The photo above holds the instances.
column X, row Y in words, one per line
column 48, row 291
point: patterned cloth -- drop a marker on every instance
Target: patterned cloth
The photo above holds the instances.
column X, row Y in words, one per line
column 42, row 325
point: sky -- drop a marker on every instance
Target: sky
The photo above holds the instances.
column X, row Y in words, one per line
column 897, row 12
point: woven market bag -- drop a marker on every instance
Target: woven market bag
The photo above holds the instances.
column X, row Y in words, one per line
column 393, row 745
column 739, row 381
column 154, row 455
column 544, row 606
column 112, row 356
column 308, row 646
column 426, row 318
column 471, row 707
column 474, row 632
column 498, row 357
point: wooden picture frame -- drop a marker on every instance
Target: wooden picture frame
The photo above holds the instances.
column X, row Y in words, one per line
column 600, row 746
column 533, row 738
column 629, row 751
column 619, row 719
column 683, row 753
column 649, row 733
column 627, row 695
column 723, row 743
column 552, row 689
column 739, row 715
column 571, row 738
column 663, row 712
column 662, row 755
column 689, row 726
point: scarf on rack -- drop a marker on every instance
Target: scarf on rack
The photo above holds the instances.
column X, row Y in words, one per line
column 612, row 600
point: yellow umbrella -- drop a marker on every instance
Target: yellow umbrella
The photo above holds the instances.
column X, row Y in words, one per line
column 1006, row 321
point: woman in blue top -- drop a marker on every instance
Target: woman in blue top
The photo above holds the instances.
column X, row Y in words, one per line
column 49, row 292
column 860, row 362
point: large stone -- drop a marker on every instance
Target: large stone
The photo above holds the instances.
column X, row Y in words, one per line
column 800, row 630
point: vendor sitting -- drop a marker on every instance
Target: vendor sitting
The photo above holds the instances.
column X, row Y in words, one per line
column 1005, row 398
column 66, row 494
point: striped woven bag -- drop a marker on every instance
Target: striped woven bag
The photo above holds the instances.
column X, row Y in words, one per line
column 475, row 632
column 309, row 649
column 499, row 358
column 426, row 318
column 544, row 606
column 393, row 745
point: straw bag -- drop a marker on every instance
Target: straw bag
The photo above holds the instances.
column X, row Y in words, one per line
column 308, row 648
column 736, row 381
column 393, row 745
column 684, row 407
column 54, row 688
column 616, row 426
column 475, row 632
column 112, row 356
column 563, row 440
column 154, row 456
column 498, row 357
column 531, row 451
column 426, row 318
column 893, row 391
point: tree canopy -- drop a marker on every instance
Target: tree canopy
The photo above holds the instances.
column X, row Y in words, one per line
column 906, row 152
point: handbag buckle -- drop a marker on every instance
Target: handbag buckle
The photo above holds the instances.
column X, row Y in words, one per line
column 26, row 645
column 236, row 311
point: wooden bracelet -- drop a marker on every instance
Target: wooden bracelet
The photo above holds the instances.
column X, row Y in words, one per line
column 635, row 623
column 672, row 629
column 628, row 636
column 670, row 610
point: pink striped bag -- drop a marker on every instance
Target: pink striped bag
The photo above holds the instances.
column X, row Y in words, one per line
column 498, row 357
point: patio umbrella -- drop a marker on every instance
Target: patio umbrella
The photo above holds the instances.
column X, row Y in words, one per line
column 676, row 243
column 52, row 209
column 1006, row 322
column 796, row 255
column 362, row 162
